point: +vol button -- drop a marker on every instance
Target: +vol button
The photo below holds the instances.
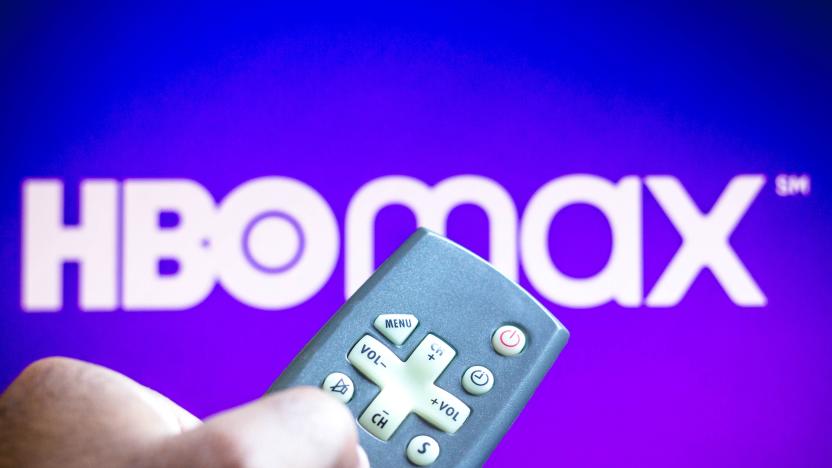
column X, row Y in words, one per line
column 477, row 380
column 508, row 340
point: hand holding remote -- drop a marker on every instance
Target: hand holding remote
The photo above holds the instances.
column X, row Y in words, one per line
column 435, row 355
column 66, row 413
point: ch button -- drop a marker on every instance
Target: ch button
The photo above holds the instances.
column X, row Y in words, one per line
column 508, row 340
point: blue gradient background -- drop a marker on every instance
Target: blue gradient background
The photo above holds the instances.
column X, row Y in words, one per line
column 337, row 96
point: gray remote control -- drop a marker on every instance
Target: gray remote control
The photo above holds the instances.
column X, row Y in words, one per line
column 436, row 355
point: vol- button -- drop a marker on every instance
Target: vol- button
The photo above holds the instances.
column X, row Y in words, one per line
column 508, row 340
column 374, row 360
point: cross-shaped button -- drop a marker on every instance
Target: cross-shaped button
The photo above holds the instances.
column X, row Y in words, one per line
column 407, row 386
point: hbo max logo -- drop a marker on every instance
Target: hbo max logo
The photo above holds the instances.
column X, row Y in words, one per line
column 273, row 242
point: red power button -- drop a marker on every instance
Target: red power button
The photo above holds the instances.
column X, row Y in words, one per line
column 508, row 340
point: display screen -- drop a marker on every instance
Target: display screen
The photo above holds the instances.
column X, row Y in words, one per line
column 189, row 194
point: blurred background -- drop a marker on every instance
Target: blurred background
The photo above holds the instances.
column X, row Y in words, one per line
column 338, row 96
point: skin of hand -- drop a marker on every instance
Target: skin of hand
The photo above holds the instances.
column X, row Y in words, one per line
column 66, row 413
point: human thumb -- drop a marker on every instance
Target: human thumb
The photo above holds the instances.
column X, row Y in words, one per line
column 299, row 427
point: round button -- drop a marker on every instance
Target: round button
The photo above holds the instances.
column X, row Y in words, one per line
column 508, row 340
column 422, row 450
column 477, row 380
column 339, row 385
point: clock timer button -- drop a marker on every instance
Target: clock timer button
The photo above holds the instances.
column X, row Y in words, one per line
column 477, row 380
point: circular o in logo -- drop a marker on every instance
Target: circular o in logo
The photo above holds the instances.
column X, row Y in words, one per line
column 273, row 242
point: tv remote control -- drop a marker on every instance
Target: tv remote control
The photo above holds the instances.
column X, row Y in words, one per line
column 436, row 355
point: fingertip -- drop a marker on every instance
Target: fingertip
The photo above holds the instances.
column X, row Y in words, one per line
column 298, row 427
column 316, row 412
column 174, row 416
column 353, row 454
column 323, row 403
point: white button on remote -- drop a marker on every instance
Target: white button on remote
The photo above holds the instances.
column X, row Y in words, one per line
column 339, row 385
column 430, row 358
column 407, row 386
column 426, row 358
column 374, row 360
column 386, row 413
column 477, row 380
column 396, row 327
column 442, row 410
column 422, row 450
column 508, row 340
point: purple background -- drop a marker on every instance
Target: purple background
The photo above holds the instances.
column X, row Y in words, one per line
column 337, row 97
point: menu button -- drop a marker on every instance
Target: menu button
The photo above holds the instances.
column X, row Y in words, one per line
column 396, row 327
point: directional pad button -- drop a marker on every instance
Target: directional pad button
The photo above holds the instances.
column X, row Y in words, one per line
column 430, row 359
column 375, row 360
column 442, row 410
column 386, row 413
column 407, row 386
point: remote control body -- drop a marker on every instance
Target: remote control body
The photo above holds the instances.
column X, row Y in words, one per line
column 435, row 355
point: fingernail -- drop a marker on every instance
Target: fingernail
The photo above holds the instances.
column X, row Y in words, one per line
column 363, row 461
